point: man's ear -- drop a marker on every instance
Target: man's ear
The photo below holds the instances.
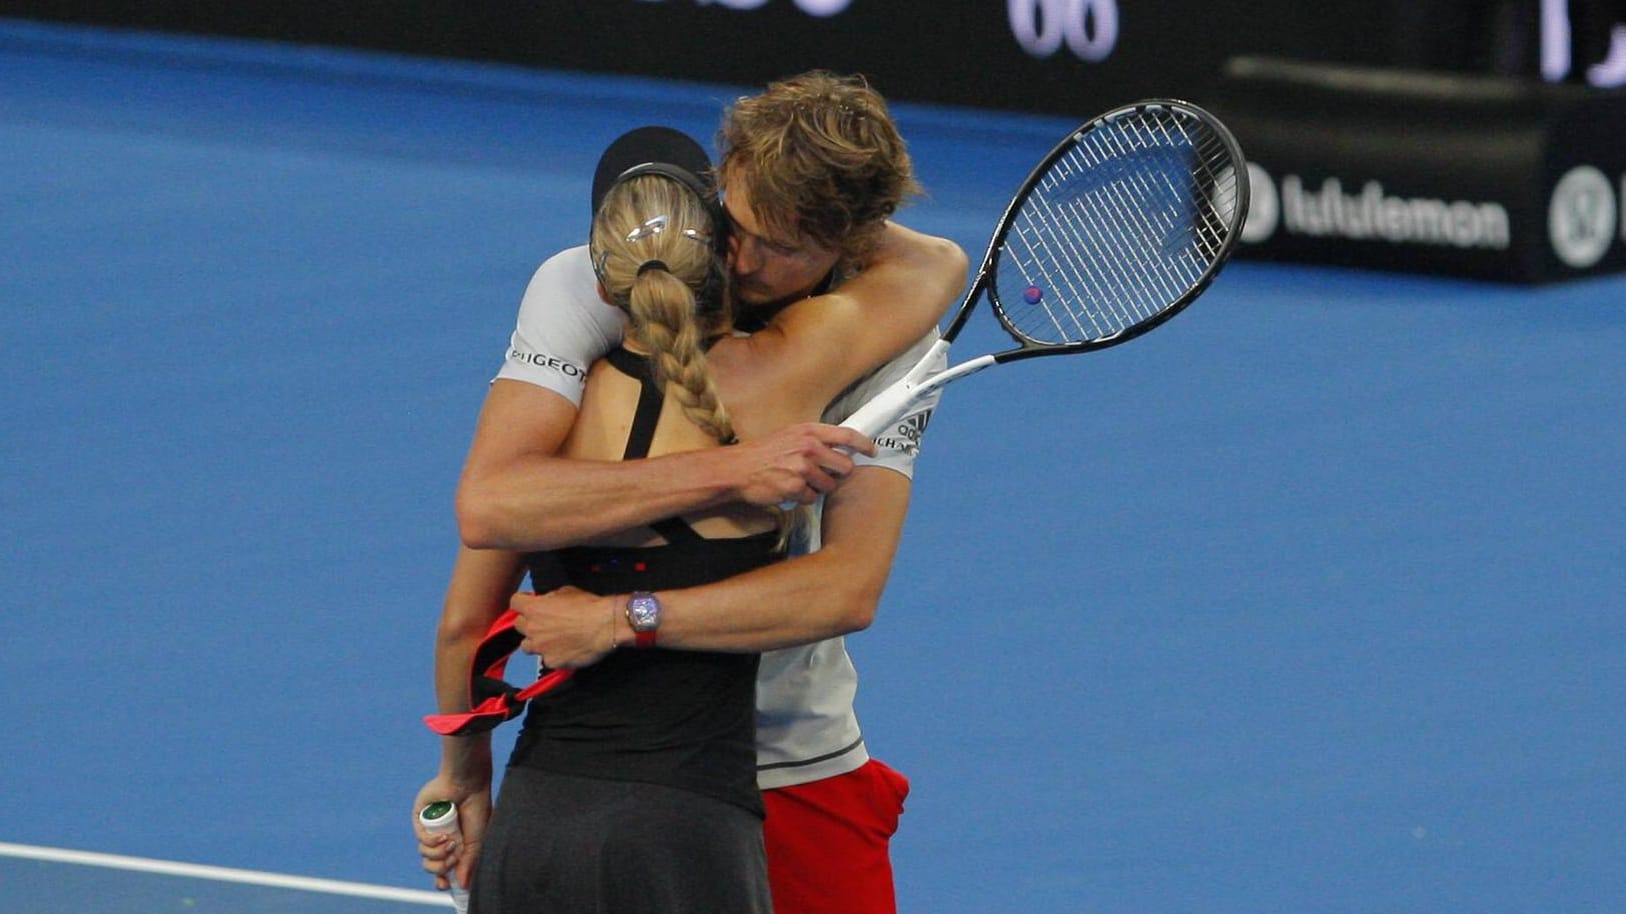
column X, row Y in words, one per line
column 604, row 295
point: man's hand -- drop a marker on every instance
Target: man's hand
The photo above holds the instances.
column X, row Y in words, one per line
column 568, row 628
column 796, row 464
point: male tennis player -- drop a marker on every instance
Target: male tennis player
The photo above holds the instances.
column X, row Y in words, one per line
column 811, row 171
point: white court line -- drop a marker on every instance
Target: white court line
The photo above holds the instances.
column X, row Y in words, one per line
column 223, row 874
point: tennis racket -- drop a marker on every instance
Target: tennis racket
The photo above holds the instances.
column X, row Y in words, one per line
column 1116, row 230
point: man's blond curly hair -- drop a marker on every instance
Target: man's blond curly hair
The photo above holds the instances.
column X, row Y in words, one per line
column 820, row 156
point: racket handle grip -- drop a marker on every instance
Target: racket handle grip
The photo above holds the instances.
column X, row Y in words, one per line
column 441, row 819
column 873, row 417
column 898, row 399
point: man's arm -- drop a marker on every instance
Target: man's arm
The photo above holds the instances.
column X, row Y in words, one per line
column 516, row 494
column 830, row 592
column 808, row 598
column 834, row 339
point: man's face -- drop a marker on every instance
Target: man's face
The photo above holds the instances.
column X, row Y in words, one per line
column 769, row 270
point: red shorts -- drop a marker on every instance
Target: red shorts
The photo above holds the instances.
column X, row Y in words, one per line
column 827, row 842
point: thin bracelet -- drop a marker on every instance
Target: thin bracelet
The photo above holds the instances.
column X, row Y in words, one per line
column 614, row 644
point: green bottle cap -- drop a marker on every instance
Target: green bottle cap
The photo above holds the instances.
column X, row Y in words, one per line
column 434, row 812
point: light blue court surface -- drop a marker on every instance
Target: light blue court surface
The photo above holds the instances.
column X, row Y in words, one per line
column 1309, row 602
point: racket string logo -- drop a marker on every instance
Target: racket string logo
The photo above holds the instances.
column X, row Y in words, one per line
column 1582, row 216
column 1089, row 28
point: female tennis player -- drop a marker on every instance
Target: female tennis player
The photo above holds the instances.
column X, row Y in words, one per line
column 633, row 787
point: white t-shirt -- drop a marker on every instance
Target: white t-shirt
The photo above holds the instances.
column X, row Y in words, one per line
column 807, row 729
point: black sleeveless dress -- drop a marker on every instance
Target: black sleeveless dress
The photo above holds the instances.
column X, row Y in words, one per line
column 632, row 787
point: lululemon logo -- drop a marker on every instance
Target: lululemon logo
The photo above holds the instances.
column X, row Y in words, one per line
column 1264, row 206
column 1581, row 217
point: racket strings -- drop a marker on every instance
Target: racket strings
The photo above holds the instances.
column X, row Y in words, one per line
column 1120, row 228
column 1215, row 179
column 1073, row 220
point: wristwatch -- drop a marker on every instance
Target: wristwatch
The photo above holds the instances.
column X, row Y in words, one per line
column 644, row 615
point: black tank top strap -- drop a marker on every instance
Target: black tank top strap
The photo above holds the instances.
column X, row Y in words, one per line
column 650, row 399
column 631, row 364
column 644, row 420
column 676, row 530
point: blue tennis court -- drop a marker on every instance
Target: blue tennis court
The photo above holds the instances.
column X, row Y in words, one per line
column 1309, row 602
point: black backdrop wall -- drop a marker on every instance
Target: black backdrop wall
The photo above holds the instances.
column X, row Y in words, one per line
column 1072, row 57
column 1397, row 134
